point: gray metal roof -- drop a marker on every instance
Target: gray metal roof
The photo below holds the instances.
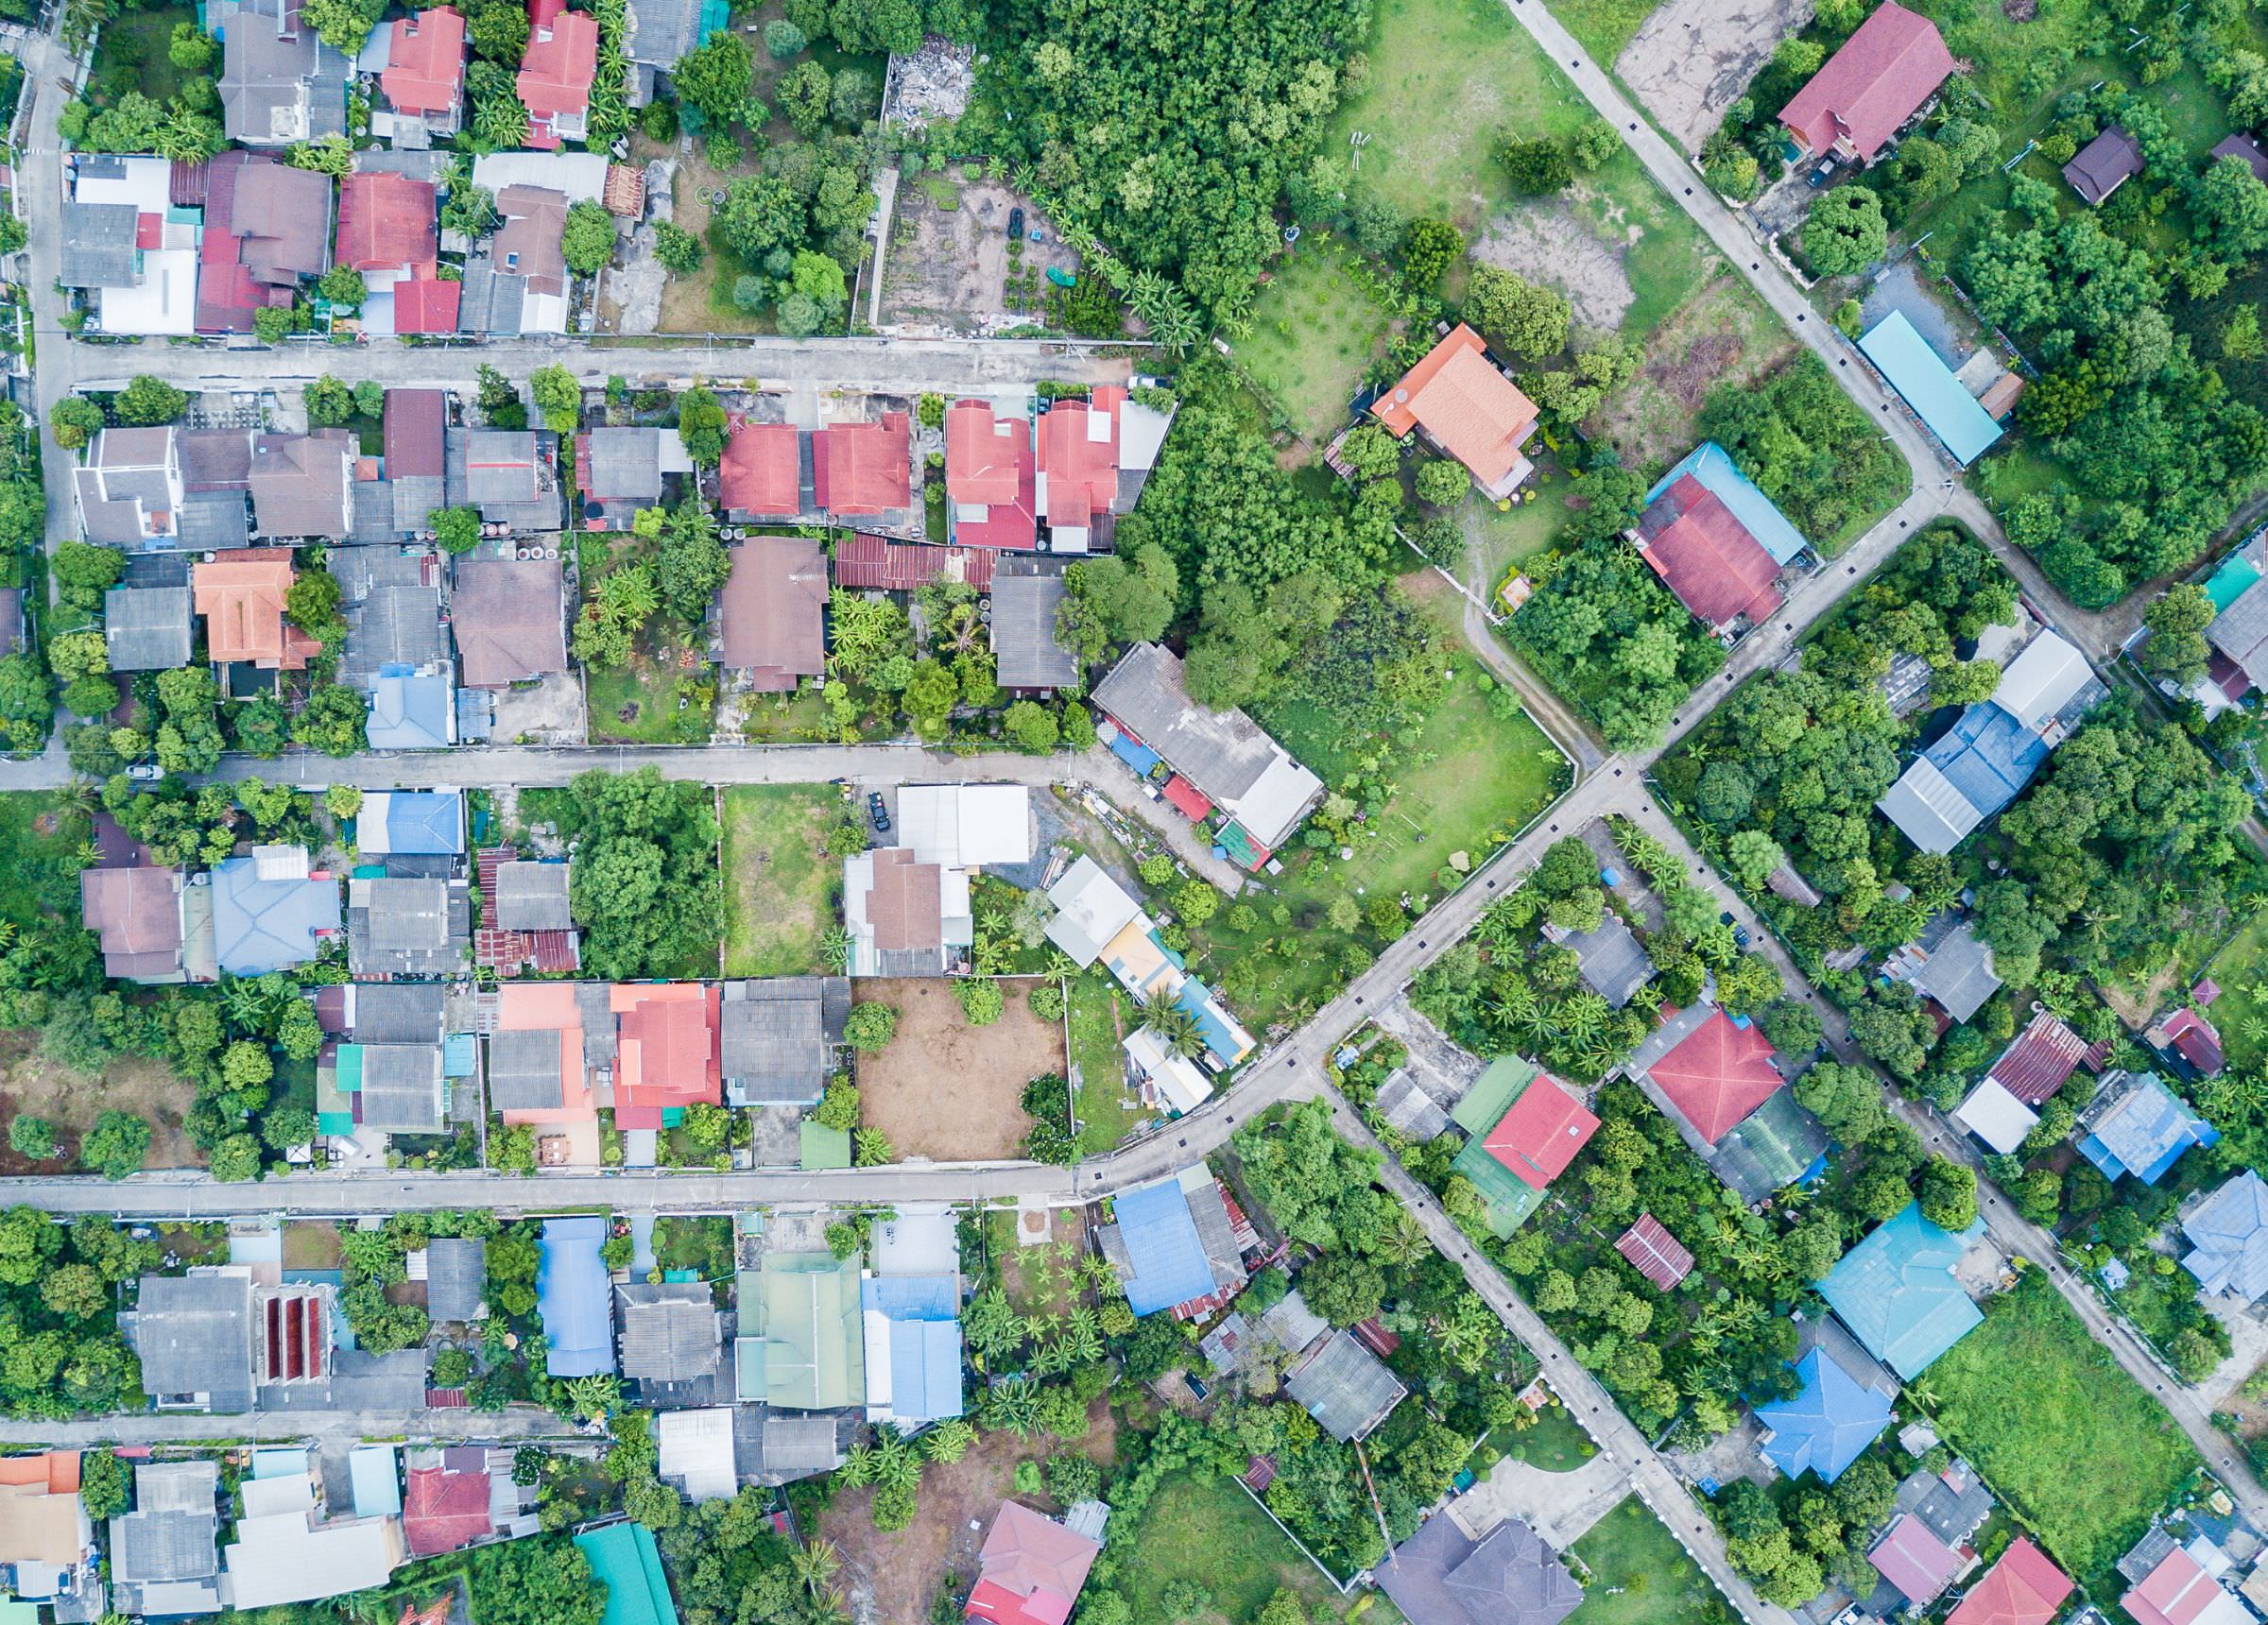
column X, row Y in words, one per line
column 401, row 1088
column 1614, row 965
column 455, row 1272
column 2241, row 631
column 492, row 300
column 1346, row 1388
column 503, row 473
column 193, row 1334
column 98, row 244
column 1959, row 974
column 524, row 1071
column 1027, row 593
column 396, row 1013
column 392, row 607
column 622, row 463
column 406, row 926
column 146, row 627
column 169, row 1534
column 671, row 1332
column 213, row 520
column 1222, row 753
column 660, row 31
column 802, row 1445
column 532, row 897
column 779, row 1036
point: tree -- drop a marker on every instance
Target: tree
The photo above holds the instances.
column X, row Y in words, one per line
column 678, row 249
column 760, row 214
column 870, row 1026
column 31, row 1136
column 1949, row 1194
column 1428, row 248
column 1442, row 482
column 192, row 50
column 715, row 78
column 587, row 241
column 343, row 286
column 1032, row 726
column 803, row 94
column 235, row 1158
column 701, row 425
column 1845, row 231
column 544, row 1579
column 1522, row 316
column 558, row 396
column 331, row 721
column 2177, row 622
column 456, row 529
column 471, row 210
column 1537, row 168
column 981, row 999
column 783, row 39
column 1594, row 144
column 147, row 401
column 116, row 1146
column 329, row 402
column 75, row 419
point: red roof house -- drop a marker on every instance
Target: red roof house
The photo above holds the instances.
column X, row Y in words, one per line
column 2024, row 1588
column 1465, row 406
column 990, row 477
column 2179, row 1592
column 1653, row 1252
column 1076, row 483
column 386, row 222
column 1717, row 1075
column 445, row 1510
column 666, row 1049
column 1030, row 1569
column 241, row 598
column 1707, row 557
column 1865, row 93
column 760, row 476
column 2193, row 1039
column 424, row 70
column 555, row 71
column 1540, row 1135
column 862, row 470
column 2041, row 1059
column 864, row 560
column 1917, row 1562
column 426, row 304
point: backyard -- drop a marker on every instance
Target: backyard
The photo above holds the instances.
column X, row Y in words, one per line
column 781, row 883
column 2241, row 1013
column 652, row 700
column 134, row 53
column 1314, row 334
column 1638, row 1574
column 944, row 1090
column 1100, row 1012
column 2066, row 1438
column 1209, row 1531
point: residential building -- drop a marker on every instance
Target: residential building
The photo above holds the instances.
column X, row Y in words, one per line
column 1523, row 1128
column 2136, row 1125
column 1951, row 1503
column 2247, row 147
column 404, row 925
column 1030, row 1569
column 1712, row 1077
column 1156, row 1242
column 1344, row 1387
column 140, row 914
column 455, row 1279
column 509, row 619
column 147, row 628
column 128, row 249
column 2104, row 165
column 625, row 1557
column 556, row 73
column 1027, row 656
column 762, row 474
column 395, row 1088
column 300, row 484
column 906, row 919
column 279, row 83
column 1717, row 541
column 695, row 1452
column 1443, row 1576
column 1898, row 1292
column 1224, row 754
column 1094, row 457
column 1846, row 1402
column 389, row 230
column 1092, row 909
column 165, row 1553
column 416, row 446
column 410, row 823
column 517, row 281
column 526, row 914
column 660, row 31
column 424, row 79
column 772, row 612
column 865, row 470
column 966, row 826
column 510, row 476
column 1915, row 1563
column 622, row 472
column 391, row 603
column 285, row 1551
column 2228, row 1240
column 46, row 1539
column 2022, row 1589
column 1653, row 1252
column 1613, row 963
column 2180, row 1591
column 991, row 476
column 129, row 489
column 1923, row 380
column 1870, row 89
column 672, row 1340
column 801, row 1346
column 666, row 1051
column 271, row 910
column 1949, row 965
column 780, row 1038
column 864, row 560
column 193, row 1334
column 2042, row 1057
column 537, row 1070
column 2188, row 1042
column 912, row 1337
column 1996, row 1117
column 1465, row 406
column 448, row 1506
column 267, row 226
column 575, row 1298
column 411, row 712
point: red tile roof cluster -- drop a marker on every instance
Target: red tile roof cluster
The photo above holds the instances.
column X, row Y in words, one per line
column 861, row 469
column 1867, row 91
column 556, row 69
column 1717, row 1075
column 1539, row 1134
column 990, row 464
column 1031, row 1570
column 1078, row 457
column 2041, row 1059
column 758, row 474
column 1187, row 799
column 666, row 1049
column 511, row 951
column 2024, row 1588
column 387, row 220
column 1653, row 1252
column 425, row 63
column 227, row 292
column 1707, row 557
column 445, row 1510
column 864, row 560
column 1460, row 397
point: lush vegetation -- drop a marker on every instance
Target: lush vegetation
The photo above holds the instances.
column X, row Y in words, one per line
column 1810, row 449
column 59, row 1301
column 646, row 881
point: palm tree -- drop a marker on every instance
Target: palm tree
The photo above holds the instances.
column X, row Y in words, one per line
column 816, row 1564
column 1176, row 1028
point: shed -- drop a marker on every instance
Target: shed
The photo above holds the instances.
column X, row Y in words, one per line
column 1946, row 408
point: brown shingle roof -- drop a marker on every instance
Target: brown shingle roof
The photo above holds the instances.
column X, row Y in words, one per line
column 773, row 609
column 506, row 616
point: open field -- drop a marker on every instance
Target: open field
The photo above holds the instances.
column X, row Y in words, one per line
column 1555, row 1442
column 1688, row 60
column 2065, row 1436
column 1639, row 1575
column 1207, row 1531
column 649, row 701
column 1314, row 334
column 1101, row 1014
column 31, row 1085
column 1723, row 335
column 944, row 1090
column 780, row 883
column 2242, row 1010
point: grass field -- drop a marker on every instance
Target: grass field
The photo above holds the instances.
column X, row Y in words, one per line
column 1498, row 540
column 133, row 47
column 1208, row 1531
column 1603, row 27
column 2241, row 1011
column 1639, row 1575
column 2066, row 1436
column 1099, row 1010
column 780, row 883
column 1555, row 1442
column 1314, row 334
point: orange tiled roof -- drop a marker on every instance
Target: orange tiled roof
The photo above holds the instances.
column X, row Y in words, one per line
column 242, row 601
column 1458, row 397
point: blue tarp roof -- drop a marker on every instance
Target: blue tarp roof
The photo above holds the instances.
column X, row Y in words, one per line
column 575, row 1299
column 1827, row 1425
column 2145, row 1134
column 376, row 1483
column 1897, row 1293
column 925, row 1343
column 410, row 714
column 1988, row 756
column 260, row 926
column 1714, row 467
column 1946, row 408
column 1141, row 758
column 424, row 821
column 1162, row 1243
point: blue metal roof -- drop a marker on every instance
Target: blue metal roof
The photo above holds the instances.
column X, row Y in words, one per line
column 1212, row 1022
column 1161, row 1243
column 1946, row 408
column 377, row 1485
column 410, row 714
column 1897, row 1293
column 1713, row 466
column 1988, row 756
column 573, row 1295
column 1827, row 1425
column 424, row 821
column 260, row 926
column 923, row 1312
column 2145, row 1133
column 1139, row 757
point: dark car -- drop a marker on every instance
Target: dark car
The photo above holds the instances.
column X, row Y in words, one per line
column 1740, row 936
column 1016, row 225
column 876, row 810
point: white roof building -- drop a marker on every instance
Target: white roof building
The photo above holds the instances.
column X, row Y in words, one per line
column 1996, row 1117
column 697, row 1451
column 1090, row 909
column 966, row 826
column 283, row 1554
column 582, row 176
column 2042, row 680
column 1180, row 1083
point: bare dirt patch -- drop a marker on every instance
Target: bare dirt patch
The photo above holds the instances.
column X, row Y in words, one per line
column 1548, row 244
column 894, row 1578
column 1692, row 59
column 1719, row 336
column 949, row 265
column 945, row 1089
column 32, row 1085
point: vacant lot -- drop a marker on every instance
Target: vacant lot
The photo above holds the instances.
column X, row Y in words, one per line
column 1102, row 1014
column 1207, row 1531
column 951, row 266
column 1691, row 60
column 1314, row 334
column 947, row 1091
column 31, row 1085
column 780, row 883
column 1723, row 335
column 2067, row 1437
column 1639, row 1575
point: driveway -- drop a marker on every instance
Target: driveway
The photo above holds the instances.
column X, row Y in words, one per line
column 1561, row 1507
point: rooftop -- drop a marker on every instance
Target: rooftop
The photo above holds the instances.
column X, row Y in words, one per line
column 1466, row 406
column 1876, row 81
column 1896, row 1291
column 1718, row 1074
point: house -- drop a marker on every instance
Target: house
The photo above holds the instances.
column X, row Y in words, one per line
column 509, row 621
column 1949, row 965
column 424, row 79
column 2042, row 1057
column 2238, row 632
column 865, row 470
column 772, row 612
column 575, row 1299
column 526, row 914
column 537, row 1070
column 620, row 473
column 761, row 475
column 147, row 628
column 1155, row 1239
column 391, row 603
column 517, row 281
column 1344, row 1387
column 1613, row 963
column 1714, row 1076
column 300, row 484
column 1443, row 1576
column 1718, row 1068
column 2228, row 1240
column 780, row 1037
column 285, row 1551
column 509, row 475
column 127, row 247
column 139, row 914
column 389, row 230
column 407, row 925
column 1990, row 753
column 2189, row 1042
column 1847, row 1400
column 1092, row 909
column 46, row 1539
column 874, row 561
column 624, row 1558
column 906, row 919
column 556, row 73
column 992, row 477
column 416, row 450
column 666, row 1049
column 1915, row 1563
column 1926, row 384
column 1653, row 1252
column 694, row 1452
column 416, row 823
column 660, row 31
column 1996, row 1117
column 801, row 1346
column 2136, row 1125
column 279, row 83
column 966, row 826
column 193, row 1334
column 396, row 1088
column 2247, row 148
column 671, row 1334
column 2022, row 1589
column 1523, row 1129
column 165, row 1553
column 2104, row 165
column 1716, row 541
column 447, row 1505
column 1030, row 1569
column 1897, row 1293
column 1464, row 406
column 911, row 1330
column 267, row 226
column 270, row 911
column 1224, row 754
column 242, row 601
column 129, row 489
column 1027, row 656
column 1951, row 1503
column 1094, row 457
column 2180, row 1591
column 455, row 1279
column 411, row 712
column 1870, row 89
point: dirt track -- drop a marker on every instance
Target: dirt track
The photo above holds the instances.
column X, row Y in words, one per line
column 944, row 1090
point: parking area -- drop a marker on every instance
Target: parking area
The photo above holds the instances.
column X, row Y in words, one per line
column 950, row 269
column 547, row 713
column 1692, row 59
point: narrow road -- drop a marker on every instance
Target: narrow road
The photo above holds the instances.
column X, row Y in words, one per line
column 458, row 1425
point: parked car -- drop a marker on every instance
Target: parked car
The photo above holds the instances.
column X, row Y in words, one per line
column 876, row 810
column 145, row 771
column 1740, row 936
column 1016, row 225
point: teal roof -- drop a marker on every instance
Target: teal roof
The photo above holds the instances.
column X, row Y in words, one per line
column 1944, row 406
column 2228, row 583
column 377, row 1485
column 1897, row 1293
column 623, row 1556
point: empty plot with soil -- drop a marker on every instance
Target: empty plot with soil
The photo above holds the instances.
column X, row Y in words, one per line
column 948, row 263
column 32, row 1085
column 944, row 1090
column 1692, row 59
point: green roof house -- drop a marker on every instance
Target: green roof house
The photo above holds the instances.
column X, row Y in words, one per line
column 1523, row 1131
column 625, row 1557
column 802, row 1346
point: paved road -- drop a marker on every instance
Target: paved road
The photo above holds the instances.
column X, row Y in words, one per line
column 420, row 1427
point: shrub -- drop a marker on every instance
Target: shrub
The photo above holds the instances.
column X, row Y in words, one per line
column 1442, row 482
column 870, row 1026
column 1047, row 1001
column 1537, row 168
column 981, row 1002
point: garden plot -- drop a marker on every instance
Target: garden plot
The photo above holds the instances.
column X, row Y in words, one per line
column 949, row 265
column 1692, row 59
column 944, row 1090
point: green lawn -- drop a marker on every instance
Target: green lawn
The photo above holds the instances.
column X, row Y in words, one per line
column 1099, row 1007
column 1603, row 27
column 35, row 847
column 1498, row 540
column 1639, row 1575
column 2241, row 1011
column 1315, row 331
column 1554, row 1442
column 134, row 45
column 2071, row 1442
column 1208, row 1531
column 780, row 883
